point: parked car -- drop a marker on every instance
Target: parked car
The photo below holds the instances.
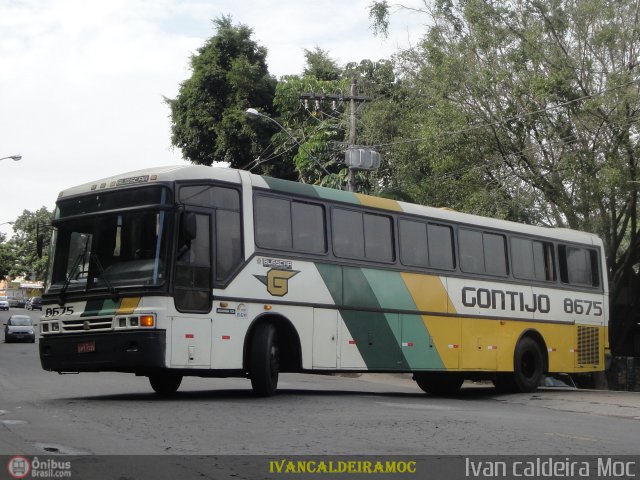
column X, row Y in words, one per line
column 16, row 302
column 35, row 303
column 4, row 303
column 19, row 328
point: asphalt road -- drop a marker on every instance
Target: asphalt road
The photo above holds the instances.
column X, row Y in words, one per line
column 109, row 413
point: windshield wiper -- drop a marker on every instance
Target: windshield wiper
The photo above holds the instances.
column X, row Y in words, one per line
column 74, row 268
column 102, row 276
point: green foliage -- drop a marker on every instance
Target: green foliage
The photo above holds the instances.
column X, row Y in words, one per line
column 7, row 257
column 316, row 128
column 379, row 16
column 524, row 110
column 21, row 250
column 229, row 75
column 321, row 65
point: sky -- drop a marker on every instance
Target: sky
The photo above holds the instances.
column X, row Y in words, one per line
column 82, row 81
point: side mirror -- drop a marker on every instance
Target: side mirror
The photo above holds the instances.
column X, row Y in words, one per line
column 188, row 227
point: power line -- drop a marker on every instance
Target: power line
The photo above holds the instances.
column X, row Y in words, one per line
column 511, row 119
column 498, row 162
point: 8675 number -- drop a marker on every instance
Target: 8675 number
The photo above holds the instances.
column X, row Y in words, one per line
column 58, row 311
column 582, row 307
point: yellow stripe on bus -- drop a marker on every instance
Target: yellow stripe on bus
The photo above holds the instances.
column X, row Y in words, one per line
column 377, row 202
column 128, row 305
column 430, row 295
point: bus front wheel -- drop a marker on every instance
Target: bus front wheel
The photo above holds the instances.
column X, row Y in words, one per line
column 264, row 360
column 165, row 384
column 438, row 383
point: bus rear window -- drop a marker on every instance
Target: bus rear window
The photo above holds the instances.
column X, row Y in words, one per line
column 578, row 266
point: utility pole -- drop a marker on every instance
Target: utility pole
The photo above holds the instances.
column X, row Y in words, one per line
column 351, row 179
column 353, row 100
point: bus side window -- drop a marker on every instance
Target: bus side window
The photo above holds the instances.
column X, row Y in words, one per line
column 228, row 243
column 348, row 233
column 471, row 251
column 532, row 259
column 578, row 266
column 482, row 252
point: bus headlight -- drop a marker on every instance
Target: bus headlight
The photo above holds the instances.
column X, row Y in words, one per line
column 147, row 321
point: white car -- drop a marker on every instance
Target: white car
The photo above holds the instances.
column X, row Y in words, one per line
column 4, row 303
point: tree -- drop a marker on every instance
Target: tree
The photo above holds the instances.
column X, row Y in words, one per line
column 7, row 257
column 322, row 125
column 539, row 100
column 23, row 245
column 321, row 65
column 315, row 127
column 229, row 75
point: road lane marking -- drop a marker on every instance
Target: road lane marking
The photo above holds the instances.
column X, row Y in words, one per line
column 572, row 437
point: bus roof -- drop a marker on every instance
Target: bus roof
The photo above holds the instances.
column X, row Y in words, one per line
column 202, row 172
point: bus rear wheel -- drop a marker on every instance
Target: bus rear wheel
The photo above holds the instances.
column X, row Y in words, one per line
column 264, row 360
column 528, row 369
column 438, row 383
column 165, row 384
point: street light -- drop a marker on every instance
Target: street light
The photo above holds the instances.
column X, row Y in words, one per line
column 15, row 158
column 252, row 112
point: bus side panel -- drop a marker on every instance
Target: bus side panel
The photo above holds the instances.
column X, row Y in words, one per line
column 228, row 334
column 190, row 342
column 377, row 339
column 325, row 338
column 429, row 293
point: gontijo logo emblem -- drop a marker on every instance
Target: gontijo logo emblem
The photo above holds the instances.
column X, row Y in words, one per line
column 18, row 467
column 277, row 281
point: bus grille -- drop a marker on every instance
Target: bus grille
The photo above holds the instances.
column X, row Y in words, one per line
column 90, row 324
column 588, row 345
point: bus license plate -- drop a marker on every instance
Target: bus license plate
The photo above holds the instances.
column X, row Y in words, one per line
column 86, row 347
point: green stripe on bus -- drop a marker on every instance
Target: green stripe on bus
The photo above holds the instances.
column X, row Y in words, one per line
column 389, row 289
column 377, row 335
column 336, row 195
column 332, row 278
column 307, row 190
column 100, row 307
column 386, row 341
column 291, row 187
column 418, row 347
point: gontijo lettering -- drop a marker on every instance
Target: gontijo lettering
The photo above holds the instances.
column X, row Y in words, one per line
column 505, row 300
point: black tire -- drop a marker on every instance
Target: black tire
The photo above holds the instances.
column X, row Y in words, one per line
column 165, row 384
column 528, row 365
column 438, row 383
column 264, row 360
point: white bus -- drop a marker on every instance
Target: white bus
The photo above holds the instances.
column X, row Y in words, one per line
column 212, row 272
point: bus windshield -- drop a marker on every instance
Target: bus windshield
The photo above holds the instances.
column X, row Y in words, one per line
column 109, row 251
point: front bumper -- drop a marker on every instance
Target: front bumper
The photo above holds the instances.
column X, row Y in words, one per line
column 19, row 337
column 140, row 352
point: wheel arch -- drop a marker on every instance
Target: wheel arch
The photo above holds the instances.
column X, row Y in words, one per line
column 537, row 337
column 288, row 340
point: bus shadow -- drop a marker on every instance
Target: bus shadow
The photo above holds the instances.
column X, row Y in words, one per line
column 472, row 394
